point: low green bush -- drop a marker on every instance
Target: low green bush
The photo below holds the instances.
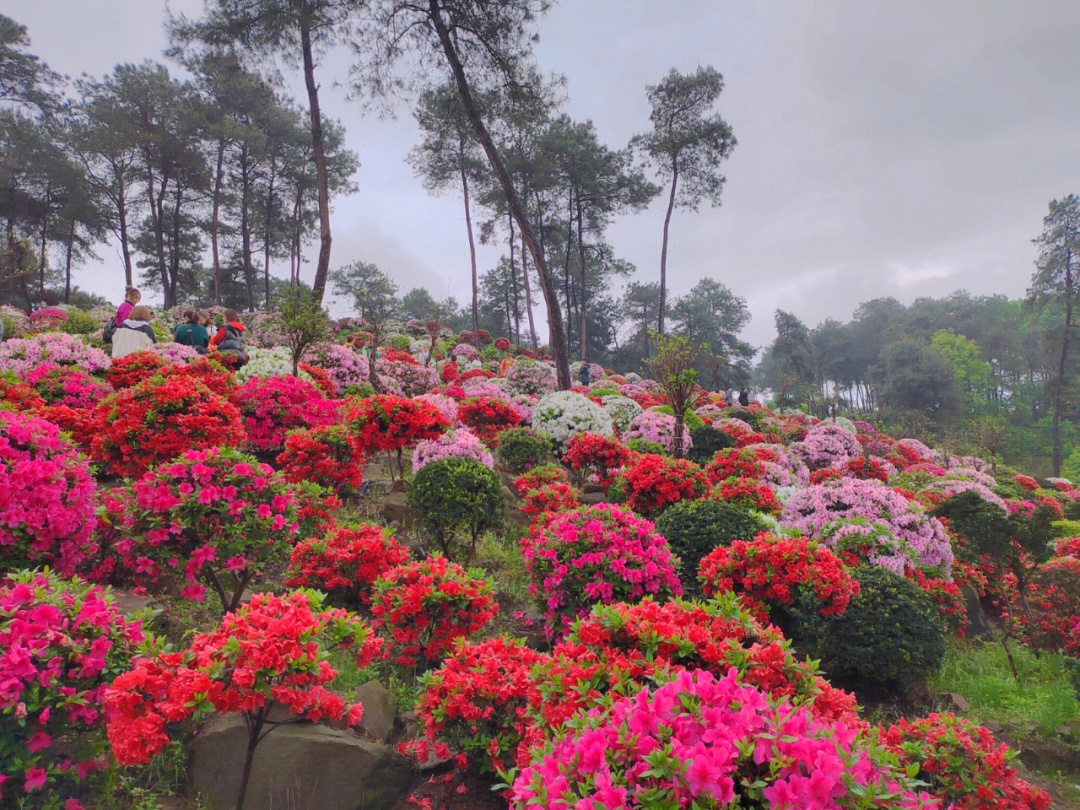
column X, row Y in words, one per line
column 521, row 449
column 891, row 634
column 695, row 528
column 707, row 442
column 645, row 446
column 79, row 323
column 457, row 499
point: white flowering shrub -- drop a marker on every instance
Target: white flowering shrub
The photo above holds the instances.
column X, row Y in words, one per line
column 565, row 414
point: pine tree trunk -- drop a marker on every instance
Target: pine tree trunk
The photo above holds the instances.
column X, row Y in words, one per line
column 125, row 249
column 67, row 269
column 215, row 215
column 582, row 336
column 555, row 326
column 663, row 247
column 528, row 293
column 322, row 269
column 472, row 252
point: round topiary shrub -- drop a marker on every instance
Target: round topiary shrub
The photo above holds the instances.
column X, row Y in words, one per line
column 706, row 441
column 456, row 497
column 521, row 449
column 890, row 634
column 694, row 528
column 565, row 414
column 346, row 561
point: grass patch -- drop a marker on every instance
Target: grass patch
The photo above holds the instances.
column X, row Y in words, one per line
column 400, row 683
column 1043, row 701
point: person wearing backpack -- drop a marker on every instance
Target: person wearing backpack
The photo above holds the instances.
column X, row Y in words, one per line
column 229, row 340
column 191, row 332
column 131, row 298
column 134, row 334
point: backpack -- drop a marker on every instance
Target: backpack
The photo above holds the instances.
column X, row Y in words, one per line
column 109, row 330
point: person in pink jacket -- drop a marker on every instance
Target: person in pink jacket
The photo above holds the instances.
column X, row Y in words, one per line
column 131, row 297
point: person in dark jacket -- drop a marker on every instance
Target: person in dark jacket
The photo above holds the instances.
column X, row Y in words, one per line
column 191, row 332
column 744, row 397
column 229, row 340
column 584, row 374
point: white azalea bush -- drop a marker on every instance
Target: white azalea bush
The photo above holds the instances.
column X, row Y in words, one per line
column 622, row 410
column 565, row 414
column 275, row 362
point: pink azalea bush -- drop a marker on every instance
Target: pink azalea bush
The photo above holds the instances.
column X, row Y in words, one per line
column 841, row 511
column 447, row 406
column 346, row 367
column 701, row 741
column 530, row 377
column 47, row 496
column 215, row 517
column 67, row 385
column 827, row 445
column 459, row 443
column 22, row 354
column 272, row 406
column 61, row 643
column 175, row 352
column 408, row 379
column 654, row 426
column 595, row 554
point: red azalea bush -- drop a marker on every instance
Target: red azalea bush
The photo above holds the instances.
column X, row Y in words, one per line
column 17, row 395
column 545, row 490
column 449, row 371
column 386, row 422
column 945, row 594
column 963, row 764
column 649, row 483
column 346, row 562
column 1049, row 619
column 1026, row 482
column 67, row 385
column 130, row 370
column 748, row 494
column 159, row 419
column 423, row 607
column 272, row 406
column 737, row 462
column 701, row 741
column 47, row 496
column 595, row 554
column 272, row 652
column 477, row 704
column 487, row 416
column 329, row 456
column 217, row 516
column 61, row 642
column 770, row 573
column 865, row 467
column 321, row 379
column 591, row 453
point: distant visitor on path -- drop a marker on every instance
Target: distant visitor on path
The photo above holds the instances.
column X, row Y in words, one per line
column 134, row 333
column 583, row 375
column 191, row 332
column 229, row 340
column 744, row 397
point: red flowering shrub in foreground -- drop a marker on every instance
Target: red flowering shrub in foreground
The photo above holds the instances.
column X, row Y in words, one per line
column 595, row 554
column 487, row 416
column 159, row 419
column 329, row 456
column 423, row 607
column 271, row 652
column 545, row 490
column 699, row 740
column 770, row 573
column 651, row 482
column 1050, row 618
column 61, row 642
column 748, row 494
column 591, row 453
column 945, row 594
column 272, row 406
column 132, row 369
column 963, row 764
column 386, row 422
column 16, row 395
column 218, row 516
column 47, row 496
column 346, row 562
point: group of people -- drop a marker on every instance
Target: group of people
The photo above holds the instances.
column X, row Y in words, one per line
column 131, row 332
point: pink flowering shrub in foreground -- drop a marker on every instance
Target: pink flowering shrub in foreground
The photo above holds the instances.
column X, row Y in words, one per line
column 272, row 406
column 700, row 741
column 459, row 443
column 20, row 355
column 217, row 517
column 657, row 427
column 47, row 496
column 67, row 385
column 61, row 642
column 595, row 554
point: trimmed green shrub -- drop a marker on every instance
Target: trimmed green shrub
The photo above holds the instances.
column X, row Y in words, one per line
column 645, row 446
column 745, row 414
column 604, row 391
column 457, row 499
column 690, row 419
column 401, row 342
column 707, row 442
column 521, row 449
column 695, row 528
column 890, row 635
column 79, row 323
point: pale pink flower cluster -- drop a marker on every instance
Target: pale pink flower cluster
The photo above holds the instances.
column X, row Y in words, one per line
column 459, row 443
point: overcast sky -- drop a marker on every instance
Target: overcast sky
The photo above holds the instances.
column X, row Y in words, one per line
column 904, row 149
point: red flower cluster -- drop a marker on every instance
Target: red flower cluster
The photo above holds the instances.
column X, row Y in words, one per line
column 488, row 416
column 386, row 422
column 600, row 455
column 738, row 463
column 748, row 493
column 17, row 395
column 321, row 379
column 271, row 652
column 502, row 344
column 329, row 456
column 423, row 607
column 864, row 467
column 654, row 482
column 392, row 355
column 545, row 490
column 61, row 642
column 768, row 571
column 964, row 765
column 472, row 373
column 159, row 419
column 132, row 369
column 1050, row 619
column 1026, row 482
column 825, row 474
column 945, row 594
column 346, row 562
column 272, row 406
column 449, row 371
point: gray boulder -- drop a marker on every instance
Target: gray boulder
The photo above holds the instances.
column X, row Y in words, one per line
column 301, row 765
